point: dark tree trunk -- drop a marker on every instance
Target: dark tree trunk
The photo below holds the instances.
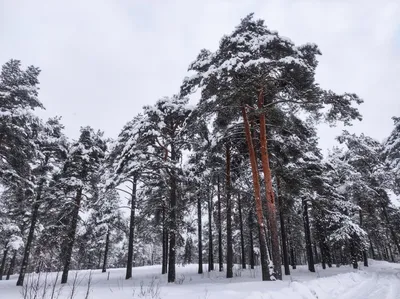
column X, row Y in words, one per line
column 276, row 255
column 241, row 233
column 173, row 224
column 71, row 236
column 283, row 230
column 291, row 247
column 310, row 258
column 323, row 256
column 27, row 249
column 257, row 197
column 229, row 245
column 293, row 258
column 316, row 253
column 200, row 236
column 353, row 253
column 220, row 255
column 372, row 249
column 251, row 246
column 210, row 237
column 165, row 243
column 12, row 264
column 365, row 254
column 106, row 251
column 3, row 263
column 129, row 263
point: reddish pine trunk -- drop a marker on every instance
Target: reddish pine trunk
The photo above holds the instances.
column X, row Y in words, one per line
column 257, row 197
column 276, row 257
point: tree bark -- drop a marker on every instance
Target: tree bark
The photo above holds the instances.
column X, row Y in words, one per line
column 364, row 252
column 71, row 235
column 165, row 243
column 27, row 249
column 251, row 245
column 200, row 236
column 310, row 259
column 173, row 224
column 229, row 245
column 3, row 263
column 106, row 251
column 241, row 232
column 220, row 255
column 257, row 197
column 210, row 237
column 129, row 263
column 276, row 257
column 12, row 264
column 283, row 230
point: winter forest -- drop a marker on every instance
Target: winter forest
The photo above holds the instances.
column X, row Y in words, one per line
column 235, row 182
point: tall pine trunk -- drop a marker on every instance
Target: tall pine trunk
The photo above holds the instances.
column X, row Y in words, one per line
column 71, row 236
column 257, row 197
column 104, row 269
column 364, row 252
column 251, row 246
column 220, row 255
column 129, row 263
column 291, row 247
column 200, row 236
column 276, row 256
column 165, row 243
column 210, row 237
column 12, row 264
column 229, row 245
column 283, row 231
column 307, row 232
column 173, row 224
column 241, row 232
column 27, row 249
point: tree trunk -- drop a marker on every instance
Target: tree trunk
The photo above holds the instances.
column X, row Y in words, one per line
column 106, row 251
column 257, row 197
column 307, row 231
column 210, row 237
column 251, row 246
column 3, row 263
column 12, row 264
column 241, row 232
column 200, row 237
column 291, row 247
column 353, row 255
column 372, row 249
column 27, row 249
column 71, row 235
column 276, row 257
column 365, row 254
column 173, row 224
column 129, row 263
column 220, row 255
column 283, row 231
column 165, row 243
column 229, row 245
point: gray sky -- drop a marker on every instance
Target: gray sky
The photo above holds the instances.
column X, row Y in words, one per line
column 102, row 60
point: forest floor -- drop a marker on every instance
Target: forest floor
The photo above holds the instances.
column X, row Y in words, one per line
column 380, row 280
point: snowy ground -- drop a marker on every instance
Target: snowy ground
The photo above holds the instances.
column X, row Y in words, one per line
column 381, row 280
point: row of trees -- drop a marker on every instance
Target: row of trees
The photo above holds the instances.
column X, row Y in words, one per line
column 239, row 175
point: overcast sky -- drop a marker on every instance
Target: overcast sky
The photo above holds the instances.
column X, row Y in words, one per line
column 102, row 60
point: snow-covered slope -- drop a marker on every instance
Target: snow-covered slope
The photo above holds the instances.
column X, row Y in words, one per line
column 381, row 280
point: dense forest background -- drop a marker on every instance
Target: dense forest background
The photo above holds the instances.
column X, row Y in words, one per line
column 238, row 178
